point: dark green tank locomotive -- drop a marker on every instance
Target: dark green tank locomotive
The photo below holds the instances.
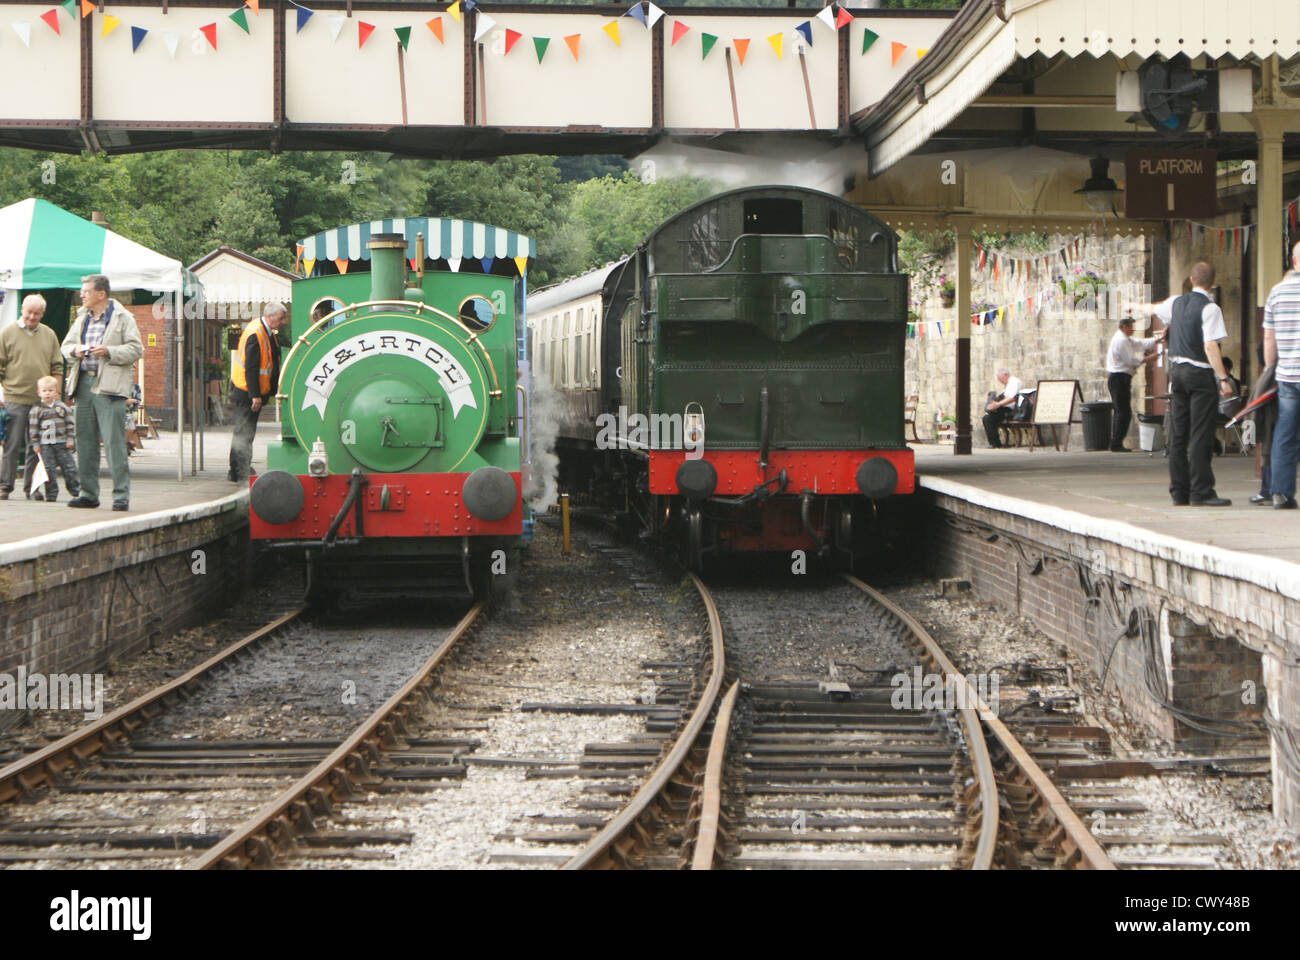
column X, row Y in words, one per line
column 750, row 388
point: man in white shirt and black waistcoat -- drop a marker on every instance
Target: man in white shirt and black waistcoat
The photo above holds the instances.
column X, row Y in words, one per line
column 1196, row 381
column 1125, row 355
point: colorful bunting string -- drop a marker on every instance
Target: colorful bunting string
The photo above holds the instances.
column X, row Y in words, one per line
column 435, row 27
column 137, row 37
column 51, row 18
column 303, row 16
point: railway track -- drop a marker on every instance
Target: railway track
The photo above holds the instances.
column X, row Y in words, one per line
column 827, row 775
column 113, row 791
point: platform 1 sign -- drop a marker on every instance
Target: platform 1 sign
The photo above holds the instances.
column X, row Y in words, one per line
column 1169, row 184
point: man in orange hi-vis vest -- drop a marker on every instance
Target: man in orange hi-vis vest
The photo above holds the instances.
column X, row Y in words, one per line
column 255, row 375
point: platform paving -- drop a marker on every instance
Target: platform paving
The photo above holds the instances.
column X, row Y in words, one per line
column 154, row 486
column 1129, row 488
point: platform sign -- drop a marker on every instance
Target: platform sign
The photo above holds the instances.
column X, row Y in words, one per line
column 1169, row 184
column 1054, row 407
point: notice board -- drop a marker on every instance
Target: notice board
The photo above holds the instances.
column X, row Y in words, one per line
column 1055, row 407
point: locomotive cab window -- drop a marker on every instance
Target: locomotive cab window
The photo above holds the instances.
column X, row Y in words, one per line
column 774, row 215
column 323, row 308
column 476, row 313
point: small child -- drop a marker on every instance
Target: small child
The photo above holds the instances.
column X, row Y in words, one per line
column 50, row 431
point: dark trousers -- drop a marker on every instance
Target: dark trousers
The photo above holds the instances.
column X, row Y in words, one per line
column 15, row 436
column 1121, row 395
column 58, row 458
column 992, row 420
column 241, row 444
column 1193, row 403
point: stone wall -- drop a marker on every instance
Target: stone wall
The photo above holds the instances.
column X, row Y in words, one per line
column 78, row 600
column 1228, row 645
column 1052, row 341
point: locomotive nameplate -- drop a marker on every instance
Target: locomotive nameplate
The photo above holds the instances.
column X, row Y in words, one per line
column 452, row 376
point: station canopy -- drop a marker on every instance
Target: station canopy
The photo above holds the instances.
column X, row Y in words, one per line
column 452, row 240
column 43, row 246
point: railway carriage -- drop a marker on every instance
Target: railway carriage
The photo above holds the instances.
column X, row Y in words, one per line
column 736, row 384
column 399, row 469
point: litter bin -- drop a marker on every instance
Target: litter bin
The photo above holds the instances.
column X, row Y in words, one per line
column 1096, row 425
column 1151, row 432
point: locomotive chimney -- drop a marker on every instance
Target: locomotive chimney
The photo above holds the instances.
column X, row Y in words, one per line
column 387, row 266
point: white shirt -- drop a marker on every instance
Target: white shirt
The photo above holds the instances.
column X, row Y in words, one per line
column 1013, row 388
column 1125, row 353
column 1212, row 327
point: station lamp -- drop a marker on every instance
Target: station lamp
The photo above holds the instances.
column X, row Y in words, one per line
column 1099, row 190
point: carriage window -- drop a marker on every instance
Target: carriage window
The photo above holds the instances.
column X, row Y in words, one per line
column 775, row 215
column 847, row 237
column 704, row 247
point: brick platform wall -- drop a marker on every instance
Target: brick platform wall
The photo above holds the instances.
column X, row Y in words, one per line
column 79, row 609
column 1100, row 599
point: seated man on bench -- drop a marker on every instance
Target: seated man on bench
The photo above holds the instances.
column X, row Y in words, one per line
column 999, row 409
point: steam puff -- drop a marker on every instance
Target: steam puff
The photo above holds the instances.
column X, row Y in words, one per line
column 543, row 483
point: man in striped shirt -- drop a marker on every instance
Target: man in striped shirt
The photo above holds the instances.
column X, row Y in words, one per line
column 1282, row 346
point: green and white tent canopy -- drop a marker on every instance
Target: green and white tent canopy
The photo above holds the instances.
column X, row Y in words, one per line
column 43, row 246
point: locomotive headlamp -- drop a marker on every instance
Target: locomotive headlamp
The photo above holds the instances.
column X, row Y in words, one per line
column 697, row 479
column 693, row 431
column 277, row 496
column 318, row 464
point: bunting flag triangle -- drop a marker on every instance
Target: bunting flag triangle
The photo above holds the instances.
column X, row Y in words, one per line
column 868, row 38
column 454, row 264
column 303, row 16
column 512, row 37
column 70, row 6
column 336, row 25
column 637, row 14
column 364, row 30
column 51, row 18
column 306, row 267
column 805, row 28
column 454, row 10
column 484, row 24
column 209, row 30
column 611, row 30
column 707, row 40
column 342, row 264
column 239, row 17
column 742, row 47
column 137, row 37
column 470, row 5
column 655, row 14
column 842, row 17
column 1245, row 240
column 777, row 42
column 435, row 27
column 573, row 40
column 87, row 8
column 412, row 263
column 170, row 39
column 539, row 44
column 921, row 52
column 895, row 51
column 297, row 256
column 255, row 6
column 403, row 36
column 679, row 30
column 827, row 16
column 522, row 264
column 487, row 264
column 24, row 31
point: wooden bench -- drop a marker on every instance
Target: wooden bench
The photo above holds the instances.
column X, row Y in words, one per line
column 909, row 414
column 1022, row 431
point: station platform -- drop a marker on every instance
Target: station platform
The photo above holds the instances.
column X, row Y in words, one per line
column 1104, row 490
column 154, row 489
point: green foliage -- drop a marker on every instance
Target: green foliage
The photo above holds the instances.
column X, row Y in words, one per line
column 616, row 213
column 921, row 255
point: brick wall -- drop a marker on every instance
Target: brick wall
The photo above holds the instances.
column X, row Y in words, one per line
column 78, row 609
column 1098, row 597
column 154, row 383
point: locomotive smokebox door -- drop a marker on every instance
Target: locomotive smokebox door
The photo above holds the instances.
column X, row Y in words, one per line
column 392, row 422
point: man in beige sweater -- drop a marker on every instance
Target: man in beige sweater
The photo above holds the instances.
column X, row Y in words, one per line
column 29, row 350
